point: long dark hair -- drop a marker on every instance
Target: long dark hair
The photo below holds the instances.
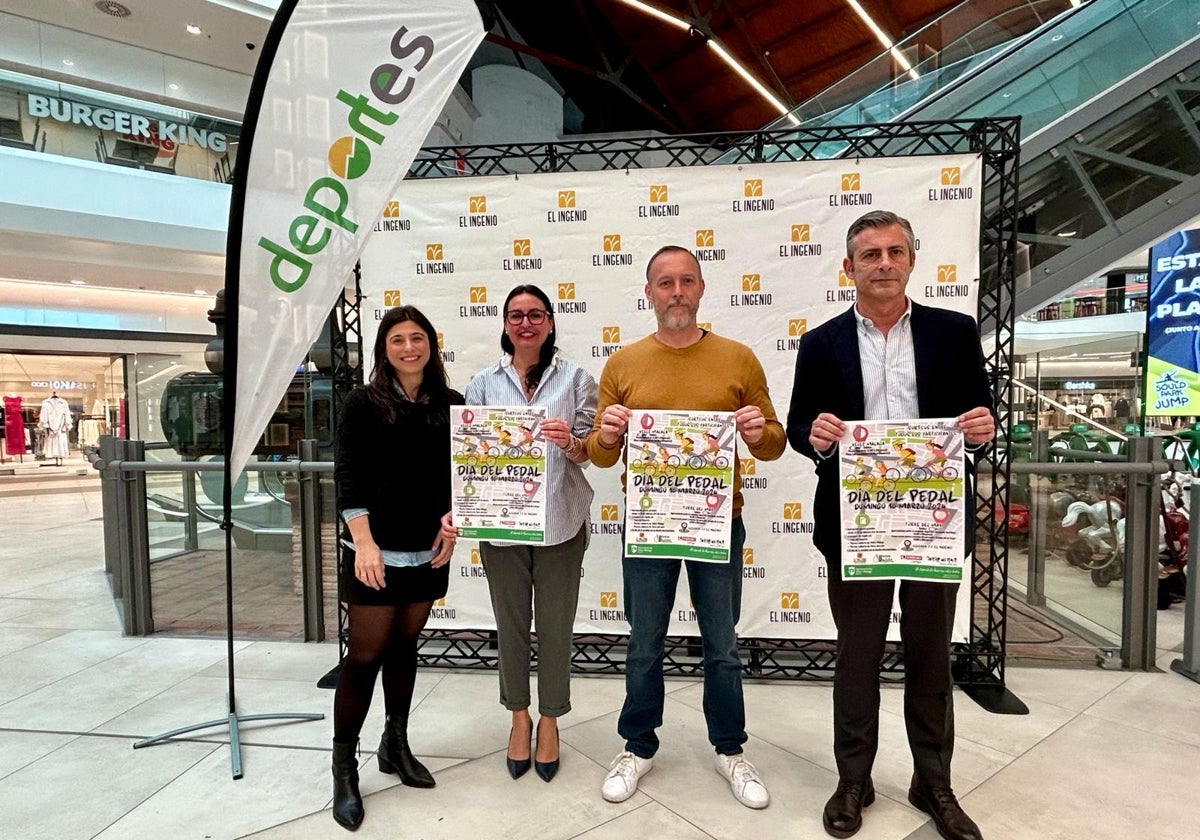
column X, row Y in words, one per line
column 384, row 382
column 546, row 353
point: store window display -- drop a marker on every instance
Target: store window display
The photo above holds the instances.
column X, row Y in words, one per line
column 55, row 421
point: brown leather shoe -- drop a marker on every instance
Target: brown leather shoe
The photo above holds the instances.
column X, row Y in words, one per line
column 941, row 804
column 843, row 811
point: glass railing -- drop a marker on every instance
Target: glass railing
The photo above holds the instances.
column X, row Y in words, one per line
column 948, row 49
column 1070, row 62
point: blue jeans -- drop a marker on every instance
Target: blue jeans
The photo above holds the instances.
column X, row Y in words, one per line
column 716, row 590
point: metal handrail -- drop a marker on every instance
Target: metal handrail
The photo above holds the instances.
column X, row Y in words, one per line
column 213, row 466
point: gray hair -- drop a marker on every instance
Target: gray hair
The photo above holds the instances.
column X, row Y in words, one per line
column 878, row 219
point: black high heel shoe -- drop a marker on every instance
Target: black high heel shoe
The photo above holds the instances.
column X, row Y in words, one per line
column 547, row 769
column 518, row 767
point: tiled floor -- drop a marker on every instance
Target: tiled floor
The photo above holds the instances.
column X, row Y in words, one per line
column 1102, row 754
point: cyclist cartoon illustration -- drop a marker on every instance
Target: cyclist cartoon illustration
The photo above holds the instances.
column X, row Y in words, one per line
column 935, row 464
column 504, row 435
column 686, row 444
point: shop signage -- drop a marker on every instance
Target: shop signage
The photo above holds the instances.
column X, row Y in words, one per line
column 64, row 384
column 136, row 126
column 1073, row 385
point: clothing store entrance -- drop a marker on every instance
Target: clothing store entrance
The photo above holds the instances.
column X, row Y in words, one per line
column 54, row 405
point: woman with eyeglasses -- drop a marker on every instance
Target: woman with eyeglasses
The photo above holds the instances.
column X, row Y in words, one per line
column 392, row 473
column 544, row 578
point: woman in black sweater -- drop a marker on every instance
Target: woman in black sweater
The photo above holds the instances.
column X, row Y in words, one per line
column 393, row 486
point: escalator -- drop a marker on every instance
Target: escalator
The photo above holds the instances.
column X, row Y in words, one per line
column 1109, row 99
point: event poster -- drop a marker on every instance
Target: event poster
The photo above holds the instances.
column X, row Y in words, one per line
column 499, row 473
column 902, row 500
column 679, row 484
column 1173, row 327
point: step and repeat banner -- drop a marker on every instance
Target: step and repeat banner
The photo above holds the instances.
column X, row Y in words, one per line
column 770, row 240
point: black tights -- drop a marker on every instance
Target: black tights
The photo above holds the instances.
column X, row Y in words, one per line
column 379, row 636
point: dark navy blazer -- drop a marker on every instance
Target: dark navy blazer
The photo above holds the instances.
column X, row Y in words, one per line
column 951, row 379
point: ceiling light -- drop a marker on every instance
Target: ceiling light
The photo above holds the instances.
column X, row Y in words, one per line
column 68, row 62
column 199, row 292
column 1066, row 233
column 884, row 39
column 173, row 86
column 193, row 29
column 78, row 282
column 721, row 52
column 1057, row 37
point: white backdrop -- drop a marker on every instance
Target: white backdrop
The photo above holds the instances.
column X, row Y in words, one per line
column 770, row 239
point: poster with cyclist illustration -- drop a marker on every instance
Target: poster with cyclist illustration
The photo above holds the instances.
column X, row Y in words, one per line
column 499, row 472
column 903, row 512
column 679, row 484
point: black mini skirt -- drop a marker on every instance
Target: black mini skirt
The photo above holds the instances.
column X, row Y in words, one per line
column 405, row 584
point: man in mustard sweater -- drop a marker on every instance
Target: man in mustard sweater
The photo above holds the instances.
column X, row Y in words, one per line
column 684, row 367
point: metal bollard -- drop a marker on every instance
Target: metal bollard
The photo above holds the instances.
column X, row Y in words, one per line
column 1189, row 665
column 1139, row 624
column 310, row 546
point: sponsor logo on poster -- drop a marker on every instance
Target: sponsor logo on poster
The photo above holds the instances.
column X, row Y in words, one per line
column 610, row 342
column 850, row 193
column 752, row 200
column 752, row 293
column 567, row 210
column 800, row 242
column 390, row 220
column 477, row 214
column 750, row 569
column 706, row 250
column 793, row 521
column 568, row 300
column 748, row 470
column 479, row 306
column 435, row 260
column 845, row 291
column 789, row 611
column 609, row 608
column 522, row 258
column 947, row 284
column 796, row 328
column 611, row 253
column 950, row 186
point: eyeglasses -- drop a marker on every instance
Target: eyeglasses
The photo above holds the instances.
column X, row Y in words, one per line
column 514, row 317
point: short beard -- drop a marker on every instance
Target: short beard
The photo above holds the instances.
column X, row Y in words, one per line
column 672, row 318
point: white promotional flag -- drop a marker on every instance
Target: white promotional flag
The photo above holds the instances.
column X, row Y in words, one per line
column 353, row 89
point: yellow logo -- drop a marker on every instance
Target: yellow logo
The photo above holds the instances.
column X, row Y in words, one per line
column 520, row 247
column 801, row 233
column 391, row 297
column 612, row 242
column 658, row 193
column 704, row 238
column 951, row 176
column 789, row 600
column 747, row 466
column 850, row 182
column 433, row 251
column 705, row 325
column 440, row 602
column 392, row 210
column 751, row 282
column 608, row 599
column 610, row 335
column 439, row 340
column 478, row 203
column 747, row 556
column 566, row 198
column 566, row 291
column 792, row 510
column 608, row 513
column 475, row 556
column 797, row 326
column 753, row 187
column 844, row 279
column 947, row 273
column 479, row 294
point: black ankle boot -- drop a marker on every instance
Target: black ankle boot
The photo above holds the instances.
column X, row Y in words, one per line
column 347, row 801
column 396, row 757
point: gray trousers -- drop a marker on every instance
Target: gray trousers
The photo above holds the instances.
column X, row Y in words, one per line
column 538, row 582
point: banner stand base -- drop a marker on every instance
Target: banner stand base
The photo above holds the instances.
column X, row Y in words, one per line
column 235, row 743
column 331, row 678
column 996, row 699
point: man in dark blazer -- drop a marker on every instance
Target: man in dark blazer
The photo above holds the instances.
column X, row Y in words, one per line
column 887, row 357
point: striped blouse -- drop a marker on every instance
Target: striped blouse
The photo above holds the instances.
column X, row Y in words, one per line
column 568, row 392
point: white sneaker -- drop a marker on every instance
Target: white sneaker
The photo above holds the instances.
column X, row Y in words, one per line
column 623, row 774
column 743, row 780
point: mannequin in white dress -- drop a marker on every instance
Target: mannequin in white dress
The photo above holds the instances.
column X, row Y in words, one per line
column 55, row 418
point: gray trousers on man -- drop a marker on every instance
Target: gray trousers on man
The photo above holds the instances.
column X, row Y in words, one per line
column 538, row 583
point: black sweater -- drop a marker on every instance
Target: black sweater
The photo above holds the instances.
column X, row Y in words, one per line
column 399, row 471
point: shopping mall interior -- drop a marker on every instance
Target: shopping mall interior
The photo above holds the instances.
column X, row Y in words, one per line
column 113, row 597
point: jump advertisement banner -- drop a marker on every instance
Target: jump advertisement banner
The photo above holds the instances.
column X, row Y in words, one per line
column 354, row 87
column 770, row 239
column 1173, row 327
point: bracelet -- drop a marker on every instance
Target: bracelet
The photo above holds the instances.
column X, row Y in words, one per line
column 573, row 446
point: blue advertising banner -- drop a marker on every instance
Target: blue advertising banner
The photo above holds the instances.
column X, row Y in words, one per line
column 1173, row 327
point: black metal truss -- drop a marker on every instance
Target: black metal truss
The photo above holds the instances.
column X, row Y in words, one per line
column 980, row 661
column 346, row 350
